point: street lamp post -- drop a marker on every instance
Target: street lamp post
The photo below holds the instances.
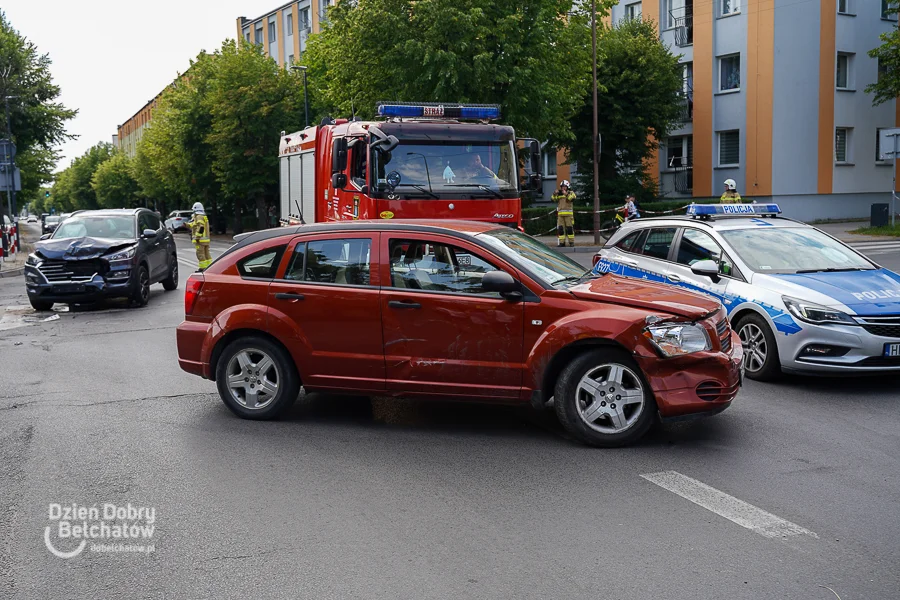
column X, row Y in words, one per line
column 11, row 166
column 305, row 93
column 596, row 138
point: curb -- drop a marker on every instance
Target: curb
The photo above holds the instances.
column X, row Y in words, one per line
column 16, row 272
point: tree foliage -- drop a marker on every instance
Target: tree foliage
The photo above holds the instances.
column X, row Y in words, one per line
column 638, row 104
column 73, row 189
column 37, row 118
column 888, row 55
column 531, row 57
column 114, row 184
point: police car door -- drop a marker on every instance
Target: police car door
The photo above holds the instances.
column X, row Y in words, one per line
column 693, row 245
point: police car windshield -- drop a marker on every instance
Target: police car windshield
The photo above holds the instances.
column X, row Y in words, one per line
column 551, row 267
column 115, row 227
column 792, row 250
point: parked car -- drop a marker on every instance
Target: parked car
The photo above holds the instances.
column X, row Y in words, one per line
column 32, row 219
column 388, row 308
column 802, row 301
column 50, row 223
column 98, row 254
column 178, row 220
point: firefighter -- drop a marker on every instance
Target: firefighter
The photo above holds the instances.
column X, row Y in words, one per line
column 200, row 235
column 730, row 196
column 565, row 214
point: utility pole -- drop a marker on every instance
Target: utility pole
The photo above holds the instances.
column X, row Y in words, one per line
column 305, row 94
column 596, row 137
column 11, row 165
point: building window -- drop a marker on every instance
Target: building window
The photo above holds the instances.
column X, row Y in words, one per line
column 304, row 18
column 844, row 7
column 272, row 33
column 549, row 162
column 676, row 12
column 290, row 59
column 730, row 73
column 633, row 11
column 679, row 152
column 888, row 12
column 843, row 78
column 729, row 148
column 290, row 24
column 730, row 7
column 842, row 145
column 259, row 35
column 247, row 35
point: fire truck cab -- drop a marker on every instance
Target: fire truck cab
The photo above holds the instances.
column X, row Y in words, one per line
column 421, row 161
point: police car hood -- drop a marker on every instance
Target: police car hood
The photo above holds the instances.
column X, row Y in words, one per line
column 83, row 248
column 646, row 295
column 865, row 293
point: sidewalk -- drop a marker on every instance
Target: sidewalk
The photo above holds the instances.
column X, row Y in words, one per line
column 15, row 267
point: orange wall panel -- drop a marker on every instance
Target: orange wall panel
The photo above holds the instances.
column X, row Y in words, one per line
column 827, row 57
column 703, row 97
column 279, row 27
column 760, row 84
column 296, row 12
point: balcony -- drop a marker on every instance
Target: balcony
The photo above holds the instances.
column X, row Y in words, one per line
column 686, row 105
column 682, row 21
column 684, row 178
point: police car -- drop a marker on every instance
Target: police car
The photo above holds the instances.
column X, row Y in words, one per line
column 801, row 301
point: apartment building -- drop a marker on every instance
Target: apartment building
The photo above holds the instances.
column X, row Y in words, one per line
column 130, row 132
column 283, row 32
column 774, row 98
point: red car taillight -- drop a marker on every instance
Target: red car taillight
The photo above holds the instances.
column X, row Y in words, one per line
column 595, row 260
column 192, row 292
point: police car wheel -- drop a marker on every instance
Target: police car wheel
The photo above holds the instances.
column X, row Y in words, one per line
column 761, row 360
column 602, row 399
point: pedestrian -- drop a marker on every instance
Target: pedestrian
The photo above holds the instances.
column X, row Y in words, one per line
column 199, row 225
column 565, row 214
column 631, row 209
column 730, row 196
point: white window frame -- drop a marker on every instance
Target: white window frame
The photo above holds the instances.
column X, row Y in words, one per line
column 848, row 146
column 848, row 8
column 550, row 153
column 686, row 158
column 634, row 10
column 887, row 17
column 673, row 6
column 848, row 84
column 721, row 61
column 273, row 32
column 735, row 8
column 719, row 136
column 290, row 24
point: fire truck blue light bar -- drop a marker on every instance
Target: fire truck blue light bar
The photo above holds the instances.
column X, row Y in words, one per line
column 439, row 111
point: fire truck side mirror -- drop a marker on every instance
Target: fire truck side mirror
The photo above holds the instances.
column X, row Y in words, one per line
column 338, row 181
column 339, row 155
column 535, row 149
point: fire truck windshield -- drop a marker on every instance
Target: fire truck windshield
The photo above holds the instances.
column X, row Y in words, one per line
column 447, row 170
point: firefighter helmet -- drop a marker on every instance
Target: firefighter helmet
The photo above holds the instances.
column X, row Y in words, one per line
column 730, row 185
column 198, row 209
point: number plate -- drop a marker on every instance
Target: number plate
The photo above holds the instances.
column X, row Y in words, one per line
column 68, row 288
column 892, row 350
column 463, row 260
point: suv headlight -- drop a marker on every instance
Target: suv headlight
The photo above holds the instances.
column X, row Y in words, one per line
column 816, row 313
column 677, row 339
column 33, row 260
column 123, row 254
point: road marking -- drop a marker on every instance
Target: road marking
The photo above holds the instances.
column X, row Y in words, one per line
column 735, row 510
column 875, row 245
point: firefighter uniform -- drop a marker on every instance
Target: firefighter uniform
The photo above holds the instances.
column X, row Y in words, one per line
column 565, row 215
column 730, row 197
column 200, row 236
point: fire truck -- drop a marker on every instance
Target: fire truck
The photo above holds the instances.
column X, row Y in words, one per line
column 436, row 161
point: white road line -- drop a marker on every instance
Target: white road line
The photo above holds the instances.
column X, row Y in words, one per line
column 874, row 245
column 735, row 510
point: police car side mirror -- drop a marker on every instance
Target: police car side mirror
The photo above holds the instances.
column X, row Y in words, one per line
column 706, row 268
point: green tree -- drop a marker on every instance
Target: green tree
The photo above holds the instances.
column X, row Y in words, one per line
column 250, row 100
column 72, row 189
column 638, row 103
column 38, row 119
column 887, row 87
column 115, row 185
column 532, row 57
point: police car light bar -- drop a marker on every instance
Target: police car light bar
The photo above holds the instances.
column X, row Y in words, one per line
column 732, row 210
column 439, row 110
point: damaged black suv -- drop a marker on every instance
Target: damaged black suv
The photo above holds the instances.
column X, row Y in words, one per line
column 96, row 254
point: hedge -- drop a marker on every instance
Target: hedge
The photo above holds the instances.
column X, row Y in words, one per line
column 539, row 220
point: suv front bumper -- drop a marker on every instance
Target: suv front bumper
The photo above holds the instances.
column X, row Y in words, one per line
column 96, row 288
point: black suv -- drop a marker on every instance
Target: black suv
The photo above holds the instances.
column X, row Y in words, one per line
column 95, row 254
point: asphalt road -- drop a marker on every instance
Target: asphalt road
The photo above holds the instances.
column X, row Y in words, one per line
column 352, row 497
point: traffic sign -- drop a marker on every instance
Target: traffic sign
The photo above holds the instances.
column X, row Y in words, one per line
column 886, row 143
column 7, row 150
column 4, row 179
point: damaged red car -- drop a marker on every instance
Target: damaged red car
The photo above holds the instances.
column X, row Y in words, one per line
column 452, row 310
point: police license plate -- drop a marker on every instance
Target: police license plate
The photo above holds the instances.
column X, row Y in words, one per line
column 892, row 350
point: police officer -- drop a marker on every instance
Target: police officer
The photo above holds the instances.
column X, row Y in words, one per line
column 730, row 196
column 200, row 235
column 565, row 214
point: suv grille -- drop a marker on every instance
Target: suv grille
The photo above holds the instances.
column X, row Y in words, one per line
column 70, row 270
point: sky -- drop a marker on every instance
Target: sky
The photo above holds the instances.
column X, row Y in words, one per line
column 110, row 57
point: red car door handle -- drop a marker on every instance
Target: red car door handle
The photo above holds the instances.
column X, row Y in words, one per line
column 398, row 304
column 288, row 296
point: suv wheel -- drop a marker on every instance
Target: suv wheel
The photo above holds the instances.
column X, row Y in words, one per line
column 171, row 282
column 602, row 399
column 256, row 378
column 40, row 304
column 141, row 294
column 761, row 360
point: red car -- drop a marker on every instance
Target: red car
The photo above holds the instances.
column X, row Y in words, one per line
column 452, row 310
